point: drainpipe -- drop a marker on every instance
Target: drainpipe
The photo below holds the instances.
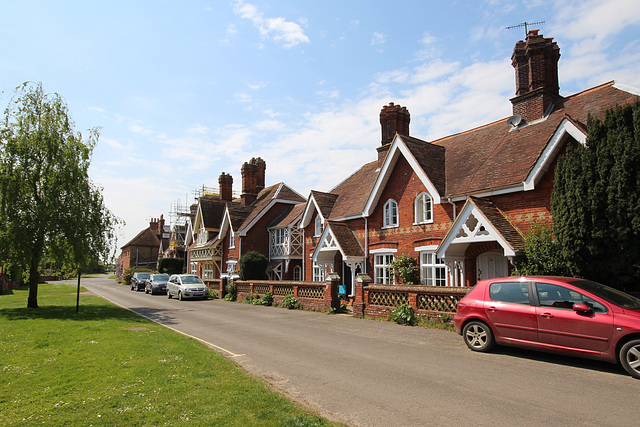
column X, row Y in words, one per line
column 454, row 207
column 366, row 244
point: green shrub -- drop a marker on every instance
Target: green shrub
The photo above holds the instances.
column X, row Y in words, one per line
column 230, row 291
column 405, row 268
column 253, row 266
column 171, row 265
column 404, row 315
column 213, row 294
column 290, row 302
column 267, row 299
column 251, row 298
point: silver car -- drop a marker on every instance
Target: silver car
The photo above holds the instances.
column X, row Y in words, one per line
column 186, row 286
column 156, row 284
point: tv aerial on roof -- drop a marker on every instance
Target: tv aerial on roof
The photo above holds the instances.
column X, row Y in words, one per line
column 514, row 121
column 525, row 25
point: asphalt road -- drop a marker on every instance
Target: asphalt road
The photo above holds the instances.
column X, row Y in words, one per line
column 371, row 373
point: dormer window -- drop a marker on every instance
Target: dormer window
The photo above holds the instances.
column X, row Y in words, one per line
column 423, row 209
column 318, row 228
column 390, row 214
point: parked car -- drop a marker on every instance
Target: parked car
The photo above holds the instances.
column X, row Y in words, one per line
column 186, row 286
column 156, row 284
column 138, row 281
column 556, row 314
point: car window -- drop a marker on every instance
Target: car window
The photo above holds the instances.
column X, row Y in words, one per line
column 143, row 275
column 160, row 276
column 191, row 279
column 608, row 294
column 511, row 292
column 560, row 297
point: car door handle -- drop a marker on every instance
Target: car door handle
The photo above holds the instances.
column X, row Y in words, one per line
column 547, row 315
column 492, row 309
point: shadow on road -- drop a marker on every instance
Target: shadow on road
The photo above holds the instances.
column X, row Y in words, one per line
column 557, row 359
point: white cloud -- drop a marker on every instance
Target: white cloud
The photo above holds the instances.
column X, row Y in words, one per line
column 377, row 39
column 283, row 32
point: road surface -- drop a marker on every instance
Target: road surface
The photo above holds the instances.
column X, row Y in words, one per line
column 372, row 373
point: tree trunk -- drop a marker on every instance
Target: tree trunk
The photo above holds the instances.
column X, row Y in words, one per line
column 34, row 275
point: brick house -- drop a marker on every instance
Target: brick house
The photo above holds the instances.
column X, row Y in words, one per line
column 461, row 205
column 143, row 250
column 226, row 228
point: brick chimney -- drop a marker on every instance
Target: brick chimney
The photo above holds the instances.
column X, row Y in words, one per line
column 225, row 182
column 261, row 168
column 253, row 176
column 536, row 63
column 393, row 119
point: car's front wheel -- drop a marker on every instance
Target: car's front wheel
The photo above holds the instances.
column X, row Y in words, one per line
column 630, row 358
column 478, row 336
column 168, row 294
column 180, row 295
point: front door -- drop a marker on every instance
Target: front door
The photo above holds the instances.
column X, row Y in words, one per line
column 490, row 265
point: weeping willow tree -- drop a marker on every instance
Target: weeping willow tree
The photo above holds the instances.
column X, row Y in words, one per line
column 596, row 201
column 48, row 203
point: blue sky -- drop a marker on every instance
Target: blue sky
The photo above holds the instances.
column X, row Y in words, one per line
column 185, row 90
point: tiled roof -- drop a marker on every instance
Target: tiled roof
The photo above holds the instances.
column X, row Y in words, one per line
column 500, row 222
column 146, row 237
column 238, row 213
column 325, row 202
column 266, row 196
column 289, row 215
column 483, row 159
column 346, row 239
column 354, row 191
column 494, row 156
column 212, row 211
column 431, row 159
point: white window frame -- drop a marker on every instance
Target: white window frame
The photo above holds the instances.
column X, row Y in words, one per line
column 319, row 272
column 390, row 214
column 318, row 226
column 382, row 268
column 297, row 273
column 433, row 271
column 232, row 239
column 207, row 270
column 423, row 209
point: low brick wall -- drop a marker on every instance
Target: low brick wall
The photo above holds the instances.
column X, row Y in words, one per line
column 380, row 300
column 312, row 295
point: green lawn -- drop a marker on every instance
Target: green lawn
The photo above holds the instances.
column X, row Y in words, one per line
column 107, row 366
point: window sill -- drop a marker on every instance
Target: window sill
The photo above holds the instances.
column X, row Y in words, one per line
column 423, row 223
column 390, row 226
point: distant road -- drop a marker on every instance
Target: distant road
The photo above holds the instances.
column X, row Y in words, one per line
column 370, row 373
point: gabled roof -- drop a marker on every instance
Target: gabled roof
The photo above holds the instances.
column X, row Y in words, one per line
column 289, row 216
column 495, row 156
column 241, row 218
column 480, row 220
column 491, row 159
column 353, row 192
column 146, row 237
column 212, row 211
column 427, row 161
column 338, row 237
column 322, row 203
column 266, row 198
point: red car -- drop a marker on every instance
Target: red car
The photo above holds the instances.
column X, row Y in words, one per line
column 556, row 314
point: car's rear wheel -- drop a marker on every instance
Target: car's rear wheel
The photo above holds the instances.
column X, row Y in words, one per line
column 478, row 336
column 180, row 295
column 630, row 358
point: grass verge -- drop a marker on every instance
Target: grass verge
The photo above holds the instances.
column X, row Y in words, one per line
column 107, row 366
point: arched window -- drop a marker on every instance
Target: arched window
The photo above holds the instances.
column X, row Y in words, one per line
column 390, row 214
column 423, row 209
column 297, row 273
